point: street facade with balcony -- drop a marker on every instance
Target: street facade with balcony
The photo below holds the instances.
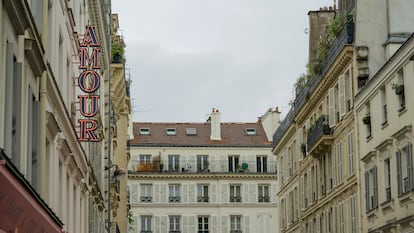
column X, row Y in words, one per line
column 188, row 182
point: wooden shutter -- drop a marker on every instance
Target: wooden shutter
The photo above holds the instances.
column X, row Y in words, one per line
column 299, row 143
column 410, row 166
column 246, row 224
column 245, row 192
column 253, row 193
column 213, row 193
column 318, row 224
column 302, row 191
column 185, row 193
column 186, row 226
column 334, row 219
column 341, row 90
column 331, row 104
column 224, row 224
column 134, row 193
column 214, row 226
column 224, row 195
column 157, row 193
column 374, row 173
column 157, row 224
column 163, row 196
column 192, row 194
column 367, row 205
column 164, row 223
column 350, row 89
column 192, row 223
column 399, row 175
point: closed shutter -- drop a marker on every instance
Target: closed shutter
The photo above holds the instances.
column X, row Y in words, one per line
column 341, row 90
column 134, row 193
column 299, row 144
column 246, row 224
column 331, row 104
column 333, row 166
column 192, row 223
column 214, row 225
column 224, row 224
column 399, row 177
column 318, row 224
column 224, row 195
column 163, row 196
column 186, row 225
column 213, row 193
column 157, row 224
column 185, row 193
column 410, row 166
column 367, row 206
column 157, row 193
column 350, row 89
column 334, row 219
column 245, row 192
column 164, row 224
column 253, row 193
column 273, row 193
column 192, row 193
column 135, row 225
column 302, row 191
column 374, row 173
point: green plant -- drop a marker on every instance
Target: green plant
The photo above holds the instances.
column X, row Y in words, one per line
column 334, row 28
column 117, row 48
column 303, row 148
column 131, row 221
column 366, row 119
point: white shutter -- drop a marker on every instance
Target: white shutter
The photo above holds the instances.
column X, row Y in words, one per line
column 164, row 223
column 134, row 193
column 245, row 193
column 224, row 223
column 300, row 142
column 186, row 226
column 302, row 191
column 318, row 224
column 246, row 224
column 333, row 166
column 224, row 195
column 334, row 219
column 341, row 89
column 213, row 193
column 157, row 224
column 214, row 225
column 135, row 225
column 331, row 104
column 253, row 193
column 185, row 193
column 157, row 193
column 273, row 193
column 350, row 89
column 163, row 196
column 192, row 194
column 192, row 223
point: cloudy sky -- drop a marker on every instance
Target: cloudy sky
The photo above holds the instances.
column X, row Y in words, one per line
column 186, row 57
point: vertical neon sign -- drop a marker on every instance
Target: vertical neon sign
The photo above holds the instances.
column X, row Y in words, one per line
column 89, row 82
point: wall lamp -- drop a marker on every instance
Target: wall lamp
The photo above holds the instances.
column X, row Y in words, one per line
column 118, row 173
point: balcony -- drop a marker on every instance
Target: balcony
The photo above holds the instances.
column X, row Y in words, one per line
column 264, row 199
column 174, row 199
column 320, row 137
column 212, row 166
column 202, row 199
column 235, row 199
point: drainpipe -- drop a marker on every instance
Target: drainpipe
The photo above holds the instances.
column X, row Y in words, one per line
column 42, row 106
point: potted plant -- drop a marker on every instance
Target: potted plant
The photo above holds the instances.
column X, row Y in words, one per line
column 398, row 88
column 117, row 51
column 303, row 148
column 366, row 119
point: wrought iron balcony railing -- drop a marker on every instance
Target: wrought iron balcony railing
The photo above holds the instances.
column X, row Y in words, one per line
column 317, row 131
column 216, row 166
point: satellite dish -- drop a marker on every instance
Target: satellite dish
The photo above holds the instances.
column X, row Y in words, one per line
column 245, row 166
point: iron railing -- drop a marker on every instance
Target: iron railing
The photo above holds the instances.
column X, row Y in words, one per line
column 320, row 128
column 217, row 166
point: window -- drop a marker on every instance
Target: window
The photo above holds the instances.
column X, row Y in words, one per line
column 387, row 179
column 170, row 131
column 366, row 119
column 405, row 169
column 145, row 163
column 371, row 192
column 144, row 131
column 351, row 167
column 202, row 163
column 235, row 224
column 190, row 131
column 146, row 224
column 261, row 162
column 173, row 163
column 384, row 106
column 251, row 131
column 175, row 224
column 203, row 224
column 146, row 193
column 233, row 163
column 235, row 193
column 399, row 90
column 174, row 193
column 202, row 193
column 263, row 193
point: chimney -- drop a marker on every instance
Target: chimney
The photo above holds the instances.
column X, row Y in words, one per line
column 215, row 132
column 318, row 21
column 270, row 122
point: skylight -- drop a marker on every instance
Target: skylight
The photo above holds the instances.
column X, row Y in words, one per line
column 191, row 131
column 170, row 131
column 144, row 131
column 251, row 131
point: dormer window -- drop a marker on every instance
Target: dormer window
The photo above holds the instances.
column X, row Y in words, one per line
column 144, row 131
column 170, row 131
column 251, row 131
column 191, row 131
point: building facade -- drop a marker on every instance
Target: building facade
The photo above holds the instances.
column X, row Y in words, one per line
column 57, row 181
column 204, row 177
column 315, row 143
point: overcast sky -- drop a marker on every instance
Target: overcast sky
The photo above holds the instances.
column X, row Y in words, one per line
column 186, row 57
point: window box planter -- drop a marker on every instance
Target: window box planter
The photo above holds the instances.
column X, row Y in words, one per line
column 399, row 90
column 366, row 120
